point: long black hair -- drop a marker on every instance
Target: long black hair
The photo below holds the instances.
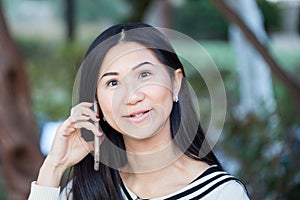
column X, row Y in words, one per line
column 186, row 130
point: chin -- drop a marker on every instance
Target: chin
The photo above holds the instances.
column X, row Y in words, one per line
column 140, row 136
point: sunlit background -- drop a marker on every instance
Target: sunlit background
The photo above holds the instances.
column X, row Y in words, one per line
column 260, row 143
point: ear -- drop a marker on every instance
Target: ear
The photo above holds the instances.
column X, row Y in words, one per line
column 177, row 83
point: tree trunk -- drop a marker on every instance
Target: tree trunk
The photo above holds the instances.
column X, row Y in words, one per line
column 19, row 148
column 70, row 19
column 287, row 81
column 290, row 15
column 255, row 81
column 159, row 14
column 139, row 7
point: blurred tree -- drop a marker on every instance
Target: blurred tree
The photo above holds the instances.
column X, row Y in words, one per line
column 255, row 81
column 200, row 19
column 159, row 13
column 265, row 149
column 104, row 11
column 19, row 148
column 290, row 17
column 139, row 8
column 272, row 15
column 289, row 83
column 70, row 19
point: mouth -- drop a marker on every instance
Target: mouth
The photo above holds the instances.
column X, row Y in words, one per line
column 138, row 116
column 137, row 113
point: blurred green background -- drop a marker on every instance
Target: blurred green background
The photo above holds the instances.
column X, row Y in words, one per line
column 266, row 159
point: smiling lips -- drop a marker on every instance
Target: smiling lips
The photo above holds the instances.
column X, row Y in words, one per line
column 138, row 116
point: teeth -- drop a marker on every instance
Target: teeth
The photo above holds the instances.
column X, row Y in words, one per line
column 138, row 115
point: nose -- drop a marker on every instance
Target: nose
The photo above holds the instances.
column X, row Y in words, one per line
column 134, row 97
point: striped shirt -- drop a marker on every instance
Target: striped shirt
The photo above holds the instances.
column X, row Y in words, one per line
column 212, row 184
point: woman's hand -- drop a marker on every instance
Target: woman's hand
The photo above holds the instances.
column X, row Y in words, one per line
column 68, row 147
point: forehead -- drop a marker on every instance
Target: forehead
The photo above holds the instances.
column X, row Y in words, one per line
column 127, row 54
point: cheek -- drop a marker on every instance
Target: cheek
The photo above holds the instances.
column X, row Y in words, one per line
column 109, row 104
column 161, row 96
column 105, row 102
column 160, row 88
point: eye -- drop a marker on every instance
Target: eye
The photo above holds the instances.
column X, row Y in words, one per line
column 112, row 83
column 144, row 74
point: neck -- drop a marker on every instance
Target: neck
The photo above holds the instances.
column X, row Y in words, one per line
column 151, row 154
column 152, row 160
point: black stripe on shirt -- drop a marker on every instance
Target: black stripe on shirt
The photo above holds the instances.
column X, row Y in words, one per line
column 207, row 172
column 125, row 191
column 196, row 188
column 212, row 188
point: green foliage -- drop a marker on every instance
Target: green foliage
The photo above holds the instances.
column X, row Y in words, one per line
column 200, row 19
column 94, row 10
column 265, row 147
column 2, row 186
column 203, row 21
column 51, row 69
column 272, row 15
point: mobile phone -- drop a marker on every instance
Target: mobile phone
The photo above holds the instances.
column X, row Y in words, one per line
column 96, row 143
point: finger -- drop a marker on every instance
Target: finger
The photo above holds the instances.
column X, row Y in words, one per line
column 69, row 126
column 84, row 104
column 85, row 111
column 89, row 126
column 66, row 128
column 69, row 131
column 86, row 144
column 75, row 119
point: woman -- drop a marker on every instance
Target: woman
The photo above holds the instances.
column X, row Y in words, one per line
column 152, row 144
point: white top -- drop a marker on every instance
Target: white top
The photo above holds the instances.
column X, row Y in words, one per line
column 213, row 184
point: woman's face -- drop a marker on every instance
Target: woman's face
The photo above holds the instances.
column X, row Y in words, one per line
column 135, row 91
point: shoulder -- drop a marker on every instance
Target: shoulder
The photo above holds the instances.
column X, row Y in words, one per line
column 232, row 189
column 215, row 183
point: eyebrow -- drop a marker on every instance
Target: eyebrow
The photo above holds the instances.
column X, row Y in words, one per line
column 141, row 64
column 109, row 74
column 134, row 68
